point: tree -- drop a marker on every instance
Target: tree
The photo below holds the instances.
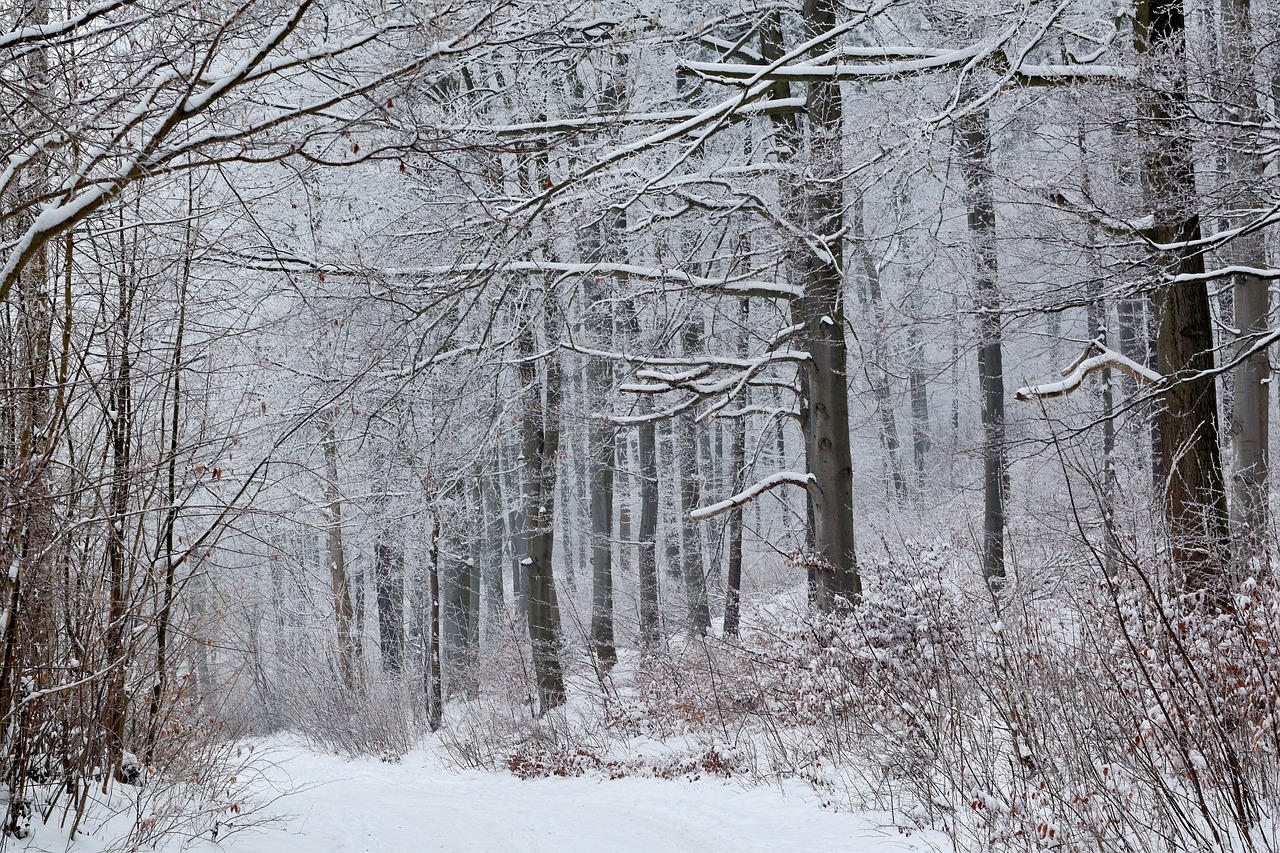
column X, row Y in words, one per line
column 1195, row 498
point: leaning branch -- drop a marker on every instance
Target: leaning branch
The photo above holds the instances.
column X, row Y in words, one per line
column 782, row 478
column 1088, row 363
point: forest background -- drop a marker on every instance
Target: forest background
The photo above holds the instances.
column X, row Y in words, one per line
column 876, row 395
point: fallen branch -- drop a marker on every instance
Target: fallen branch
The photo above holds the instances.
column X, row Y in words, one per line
column 782, row 478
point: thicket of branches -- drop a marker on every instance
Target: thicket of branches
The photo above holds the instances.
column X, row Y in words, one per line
column 881, row 389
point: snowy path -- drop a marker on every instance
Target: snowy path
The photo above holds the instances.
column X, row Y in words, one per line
column 364, row 805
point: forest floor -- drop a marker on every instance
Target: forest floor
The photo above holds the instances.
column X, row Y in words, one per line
column 310, row 802
column 340, row 805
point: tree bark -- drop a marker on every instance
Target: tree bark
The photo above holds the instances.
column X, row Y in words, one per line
column 1195, row 498
column 491, row 550
column 737, row 482
column 348, row 647
column 973, row 137
column 388, row 574
column 818, row 202
column 697, row 609
column 878, row 373
column 433, row 674
column 166, row 550
column 116, row 702
column 1250, row 428
column 541, row 432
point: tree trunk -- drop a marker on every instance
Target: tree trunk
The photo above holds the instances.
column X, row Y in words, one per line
column 1250, row 428
column 388, row 574
column 116, row 702
column 695, row 580
column 737, row 482
column 541, row 432
column 348, row 647
column 514, row 492
column 973, row 136
column 602, row 450
column 1195, row 499
column 166, row 549
column 878, row 373
column 647, row 559
column 434, row 676
column 491, row 551
column 818, row 202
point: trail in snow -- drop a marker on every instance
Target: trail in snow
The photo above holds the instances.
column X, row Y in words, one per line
column 351, row 806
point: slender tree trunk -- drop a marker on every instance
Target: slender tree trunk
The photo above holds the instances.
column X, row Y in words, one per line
column 917, row 355
column 737, row 482
column 671, row 519
column 435, row 681
column 1098, row 323
column 514, row 495
column 491, row 569
column 695, row 579
column 348, row 647
column 879, row 372
column 647, row 560
column 974, row 140
column 166, row 549
column 116, row 703
column 1250, row 428
column 602, row 447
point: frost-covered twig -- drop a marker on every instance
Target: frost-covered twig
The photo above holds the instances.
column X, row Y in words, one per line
column 773, row 481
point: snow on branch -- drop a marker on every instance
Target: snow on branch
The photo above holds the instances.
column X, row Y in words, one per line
column 1088, row 363
column 924, row 62
column 782, row 478
column 772, row 106
column 725, row 285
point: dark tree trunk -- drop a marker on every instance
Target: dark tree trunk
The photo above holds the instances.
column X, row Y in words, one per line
column 1195, row 498
column 737, row 482
column 491, row 550
column 388, row 573
column 973, row 136
column 818, row 202
column 541, row 431
column 433, row 671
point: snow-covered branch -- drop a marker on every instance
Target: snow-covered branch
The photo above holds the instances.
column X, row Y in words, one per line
column 773, row 481
column 1075, row 375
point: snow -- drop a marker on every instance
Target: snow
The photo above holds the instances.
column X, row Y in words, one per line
column 345, row 806
column 782, row 478
column 1083, row 367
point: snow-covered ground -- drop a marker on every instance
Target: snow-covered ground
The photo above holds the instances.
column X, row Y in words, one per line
column 347, row 806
